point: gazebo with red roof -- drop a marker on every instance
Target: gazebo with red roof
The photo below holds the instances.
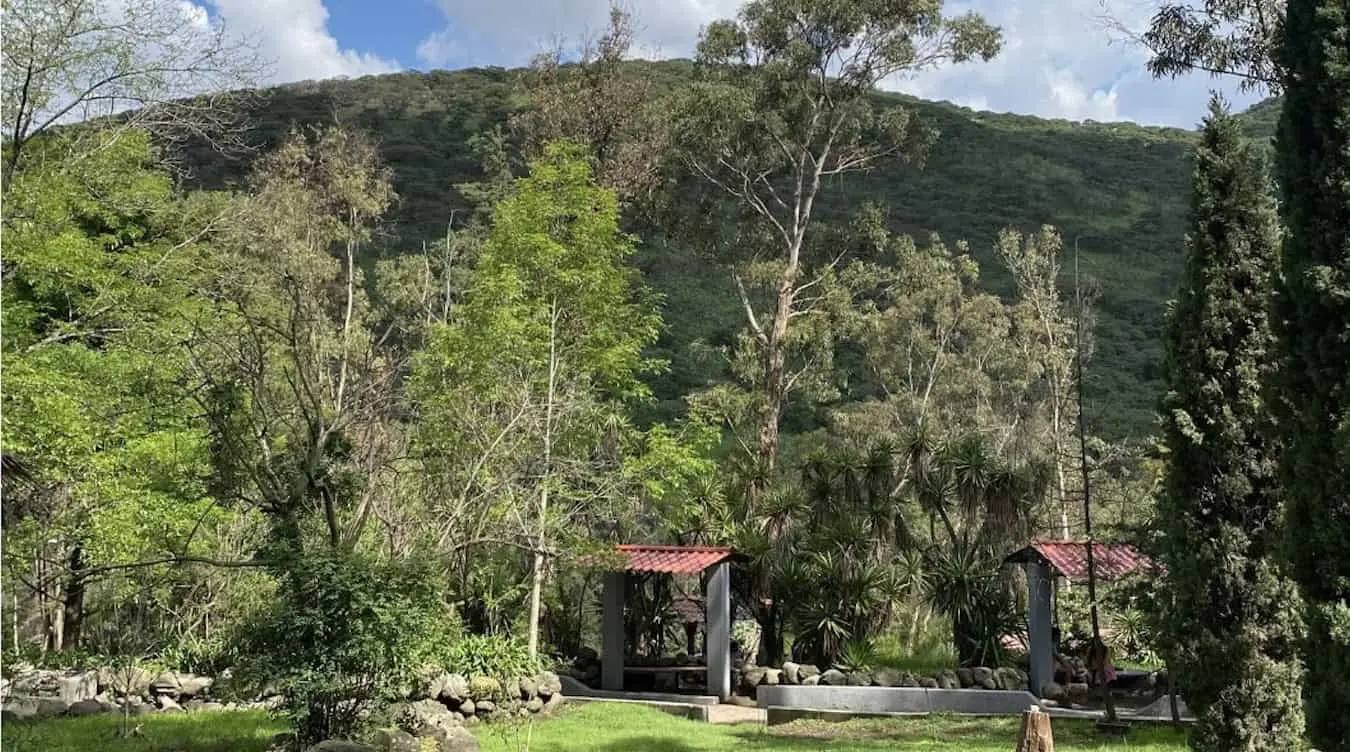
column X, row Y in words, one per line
column 1046, row 561
column 685, row 560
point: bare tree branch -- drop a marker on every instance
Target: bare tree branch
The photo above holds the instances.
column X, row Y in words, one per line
column 158, row 65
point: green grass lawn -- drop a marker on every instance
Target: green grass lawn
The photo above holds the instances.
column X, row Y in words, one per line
column 592, row 727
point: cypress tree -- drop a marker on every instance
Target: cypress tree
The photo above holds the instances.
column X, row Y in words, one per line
column 1313, row 153
column 1233, row 629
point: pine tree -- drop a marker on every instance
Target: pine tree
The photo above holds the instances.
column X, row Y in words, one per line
column 1234, row 625
column 1313, row 152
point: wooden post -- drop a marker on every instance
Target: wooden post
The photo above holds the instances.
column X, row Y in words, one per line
column 1036, row 735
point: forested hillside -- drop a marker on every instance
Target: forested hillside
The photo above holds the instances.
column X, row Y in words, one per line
column 1117, row 189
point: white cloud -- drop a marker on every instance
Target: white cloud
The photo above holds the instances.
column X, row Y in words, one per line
column 439, row 48
column 510, row 32
column 293, row 36
column 1058, row 59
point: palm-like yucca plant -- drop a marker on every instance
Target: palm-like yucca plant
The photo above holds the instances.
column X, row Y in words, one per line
column 651, row 618
column 820, row 629
column 841, row 584
column 767, row 538
column 857, row 655
column 1134, row 636
column 974, row 470
column 963, row 582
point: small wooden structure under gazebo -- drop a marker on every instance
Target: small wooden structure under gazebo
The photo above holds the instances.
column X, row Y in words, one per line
column 1046, row 562
column 671, row 560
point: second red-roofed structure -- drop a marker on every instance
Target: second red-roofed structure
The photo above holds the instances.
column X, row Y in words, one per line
column 1068, row 559
column 1046, row 561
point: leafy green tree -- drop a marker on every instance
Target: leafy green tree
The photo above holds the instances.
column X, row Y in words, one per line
column 99, row 270
column 786, row 107
column 1313, row 158
column 1048, row 334
column 1232, row 621
column 548, row 343
column 347, row 635
column 302, row 398
column 928, row 481
column 599, row 102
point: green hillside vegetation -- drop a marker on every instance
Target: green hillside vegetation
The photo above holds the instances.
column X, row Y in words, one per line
column 1117, row 189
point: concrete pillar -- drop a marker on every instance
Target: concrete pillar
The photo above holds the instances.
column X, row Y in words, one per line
column 611, row 632
column 1040, row 646
column 717, row 633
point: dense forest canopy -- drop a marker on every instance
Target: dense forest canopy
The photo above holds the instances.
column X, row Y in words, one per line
column 1116, row 189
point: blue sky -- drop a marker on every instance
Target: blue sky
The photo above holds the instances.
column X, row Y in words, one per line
column 1059, row 57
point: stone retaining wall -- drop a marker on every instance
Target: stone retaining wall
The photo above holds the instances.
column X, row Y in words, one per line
column 752, row 678
column 45, row 693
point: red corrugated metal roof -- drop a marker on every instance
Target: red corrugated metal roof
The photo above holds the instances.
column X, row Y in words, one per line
column 1069, row 558
column 673, row 559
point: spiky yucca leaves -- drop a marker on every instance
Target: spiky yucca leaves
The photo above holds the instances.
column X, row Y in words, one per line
column 860, row 548
column 964, row 581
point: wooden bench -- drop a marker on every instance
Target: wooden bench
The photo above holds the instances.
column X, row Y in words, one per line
column 676, row 671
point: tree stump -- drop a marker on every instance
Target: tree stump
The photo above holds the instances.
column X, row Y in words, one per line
column 1036, row 735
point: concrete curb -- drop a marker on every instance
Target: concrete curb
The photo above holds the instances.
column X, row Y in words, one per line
column 896, row 700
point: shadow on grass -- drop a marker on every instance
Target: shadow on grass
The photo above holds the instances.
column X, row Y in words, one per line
column 943, row 732
column 195, row 732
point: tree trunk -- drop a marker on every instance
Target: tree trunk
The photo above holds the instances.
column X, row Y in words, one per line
column 537, row 579
column 537, row 575
column 1061, row 485
column 769, row 438
column 774, row 342
column 1172, row 696
column 1036, row 735
column 914, row 628
column 770, row 636
column 967, row 652
column 73, row 602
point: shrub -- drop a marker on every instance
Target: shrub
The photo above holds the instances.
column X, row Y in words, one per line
column 19, row 655
column 194, row 654
column 836, row 593
column 488, row 655
column 346, row 637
